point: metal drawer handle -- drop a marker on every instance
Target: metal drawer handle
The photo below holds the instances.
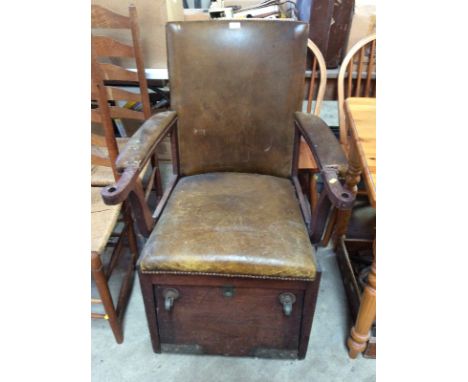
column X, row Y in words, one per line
column 287, row 300
column 170, row 295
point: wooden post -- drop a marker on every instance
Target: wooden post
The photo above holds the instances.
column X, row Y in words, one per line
column 106, row 298
column 352, row 178
column 357, row 341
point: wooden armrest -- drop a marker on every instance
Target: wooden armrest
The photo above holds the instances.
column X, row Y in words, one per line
column 143, row 143
column 136, row 153
column 329, row 156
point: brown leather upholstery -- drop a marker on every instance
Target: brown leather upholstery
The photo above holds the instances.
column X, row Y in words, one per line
column 231, row 223
column 235, row 86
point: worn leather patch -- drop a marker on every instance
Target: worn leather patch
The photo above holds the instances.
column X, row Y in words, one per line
column 139, row 145
column 231, row 223
column 235, row 90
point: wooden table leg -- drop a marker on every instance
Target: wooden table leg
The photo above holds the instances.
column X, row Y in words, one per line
column 357, row 341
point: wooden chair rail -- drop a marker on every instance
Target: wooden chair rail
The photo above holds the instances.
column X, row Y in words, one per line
column 96, row 116
column 109, row 47
column 104, row 18
column 117, row 73
column 122, row 112
column 118, row 94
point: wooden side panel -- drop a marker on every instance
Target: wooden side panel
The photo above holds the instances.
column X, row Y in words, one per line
column 249, row 323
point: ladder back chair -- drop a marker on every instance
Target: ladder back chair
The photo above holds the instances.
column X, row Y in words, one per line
column 104, row 219
column 318, row 77
column 109, row 54
column 228, row 267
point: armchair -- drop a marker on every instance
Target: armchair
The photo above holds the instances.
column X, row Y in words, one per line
column 228, row 267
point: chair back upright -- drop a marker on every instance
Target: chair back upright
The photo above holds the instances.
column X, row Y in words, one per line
column 236, row 86
column 320, row 74
column 104, row 148
column 356, row 78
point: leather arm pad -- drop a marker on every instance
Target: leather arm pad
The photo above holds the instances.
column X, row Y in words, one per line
column 142, row 144
column 329, row 156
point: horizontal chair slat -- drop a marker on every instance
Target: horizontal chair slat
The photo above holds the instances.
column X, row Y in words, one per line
column 100, row 161
column 104, row 18
column 121, row 112
column 98, row 140
column 95, row 116
column 114, row 93
column 111, row 72
column 108, row 47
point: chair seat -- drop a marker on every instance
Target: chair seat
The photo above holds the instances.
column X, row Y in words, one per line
column 231, row 224
column 102, row 176
column 103, row 220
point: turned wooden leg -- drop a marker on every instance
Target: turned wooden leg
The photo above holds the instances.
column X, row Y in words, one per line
column 106, row 298
column 352, row 178
column 357, row 341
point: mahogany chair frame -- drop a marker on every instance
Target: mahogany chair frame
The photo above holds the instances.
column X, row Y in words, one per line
column 127, row 188
column 101, row 275
column 327, row 153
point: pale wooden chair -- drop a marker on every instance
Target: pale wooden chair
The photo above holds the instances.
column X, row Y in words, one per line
column 306, row 159
column 110, row 54
column 358, row 66
column 105, row 218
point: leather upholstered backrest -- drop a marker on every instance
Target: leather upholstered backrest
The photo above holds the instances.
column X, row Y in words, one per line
column 235, row 86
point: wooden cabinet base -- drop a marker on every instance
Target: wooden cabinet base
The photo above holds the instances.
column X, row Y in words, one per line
column 229, row 316
column 354, row 256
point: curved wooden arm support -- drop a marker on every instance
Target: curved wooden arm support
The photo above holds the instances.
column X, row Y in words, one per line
column 118, row 192
column 130, row 163
column 340, row 197
column 329, row 156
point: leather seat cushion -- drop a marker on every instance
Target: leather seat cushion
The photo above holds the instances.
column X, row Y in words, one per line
column 231, row 224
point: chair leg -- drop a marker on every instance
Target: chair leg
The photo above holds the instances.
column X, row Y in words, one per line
column 127, row 283
column 329, row 228
column 357, row 341
column 106, row 298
